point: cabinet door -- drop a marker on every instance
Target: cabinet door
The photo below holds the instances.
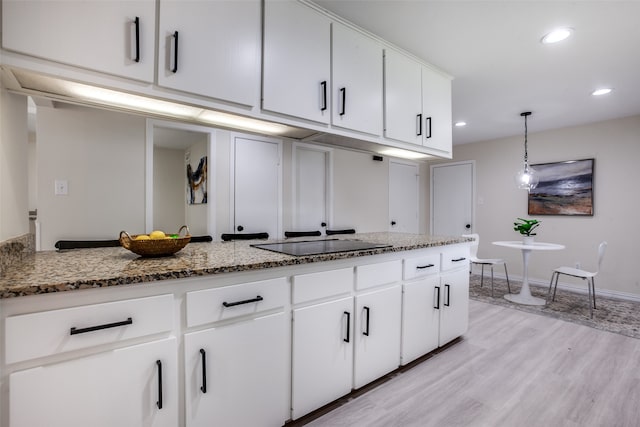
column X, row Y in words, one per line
column 420, row 317
column 236, row 375
column 377, row 334
column 132, row 386
column 436, row 107
column 322, row 354
column 454, row 316
column 218, row 48
column 297, row 55
column 403, row 98
column 357, row 81
column 115, row 37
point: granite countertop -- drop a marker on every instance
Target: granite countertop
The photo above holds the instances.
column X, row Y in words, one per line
column 53, row 271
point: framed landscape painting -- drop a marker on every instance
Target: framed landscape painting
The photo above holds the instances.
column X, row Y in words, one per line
column 565, row 188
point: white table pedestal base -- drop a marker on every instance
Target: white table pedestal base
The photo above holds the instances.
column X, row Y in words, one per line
column 524, row 299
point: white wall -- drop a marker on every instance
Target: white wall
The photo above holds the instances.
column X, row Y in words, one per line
column 615, row 146
column 101, row 155
column 14, row 204
column 169, row 186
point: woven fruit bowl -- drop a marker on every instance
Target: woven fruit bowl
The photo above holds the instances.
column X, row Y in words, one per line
column 150, row 247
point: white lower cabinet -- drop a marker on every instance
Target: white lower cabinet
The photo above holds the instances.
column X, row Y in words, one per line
column 454, row 302
column 130, row 386
column 377, row 337
column 322, row 356
column 420, row 317
column 235, row 375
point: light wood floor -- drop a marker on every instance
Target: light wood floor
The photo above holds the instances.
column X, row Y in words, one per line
column 512, row 369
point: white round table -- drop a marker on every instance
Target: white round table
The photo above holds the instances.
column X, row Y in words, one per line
column 525, row 297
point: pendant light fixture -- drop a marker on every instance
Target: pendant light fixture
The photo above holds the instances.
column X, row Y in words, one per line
column 526, row 178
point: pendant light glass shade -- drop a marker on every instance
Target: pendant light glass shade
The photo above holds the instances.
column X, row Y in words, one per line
column 526, row 178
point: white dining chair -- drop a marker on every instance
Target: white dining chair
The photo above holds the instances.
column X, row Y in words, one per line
column 485, row 261
column 582, row 274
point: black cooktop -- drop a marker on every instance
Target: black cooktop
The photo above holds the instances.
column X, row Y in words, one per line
column 318, row 247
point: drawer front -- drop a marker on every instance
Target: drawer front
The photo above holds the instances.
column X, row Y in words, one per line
column 309, row 287
column 29, row 336
column 372, row 275
column 455, row 257
column 214, row 305
column 421, row 266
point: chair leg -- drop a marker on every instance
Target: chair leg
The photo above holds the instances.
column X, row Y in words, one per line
column 507, row 274
column 482, row 275
column 492, row 281
column 550, row 285
column 590, row 305
column 555, row 287
column 593, row 286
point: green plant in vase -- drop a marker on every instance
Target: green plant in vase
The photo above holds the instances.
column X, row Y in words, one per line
column 526, row 227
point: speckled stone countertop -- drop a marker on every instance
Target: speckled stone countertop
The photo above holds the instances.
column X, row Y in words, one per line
column 53, row 271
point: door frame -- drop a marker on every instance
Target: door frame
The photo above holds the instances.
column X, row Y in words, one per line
column 328, row 184
column 232, row 177
column 211, row 172
column 417, row 166
column 473, row 191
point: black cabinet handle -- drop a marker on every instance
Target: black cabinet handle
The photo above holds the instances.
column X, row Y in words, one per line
column 344, row 100
column 427, row 124
column 348, row 326
column 448, row 296
column 247, row 301
column 422, row 267
column 458, row 259
column 159, row 402
column 437, row 306
column 76, row 331
column 175, row 52
column 323, row 224
column 419, row 124
column 137, row 24
column 203, row 356
column 468, row 226
column 366, row 332
column 323, row 85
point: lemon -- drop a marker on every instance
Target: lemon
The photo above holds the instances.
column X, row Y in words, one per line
column 156, row 234
column 142, row 237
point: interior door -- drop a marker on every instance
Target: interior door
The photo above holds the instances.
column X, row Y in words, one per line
column 452, row 198
column 311, row 188
column 403, row 197
column 257, row 193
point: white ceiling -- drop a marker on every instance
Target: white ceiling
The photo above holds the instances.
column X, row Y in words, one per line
column 493, row 50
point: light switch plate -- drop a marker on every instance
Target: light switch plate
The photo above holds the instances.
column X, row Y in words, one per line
column 61, row 187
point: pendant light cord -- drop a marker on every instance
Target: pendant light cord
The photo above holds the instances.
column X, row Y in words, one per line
column 526, row 154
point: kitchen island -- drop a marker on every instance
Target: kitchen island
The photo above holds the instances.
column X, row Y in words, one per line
column 200, row 337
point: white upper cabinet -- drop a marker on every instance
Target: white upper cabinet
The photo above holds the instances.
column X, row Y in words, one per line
column 116, row 36
column 357, row 81
column 417, row 104
column 211, row 48
column 403, row 98
column 297, row 57
column 436, row 109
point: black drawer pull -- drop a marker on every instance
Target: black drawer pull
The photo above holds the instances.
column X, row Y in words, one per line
column 348, row 326
column 366, row 332
column 76, row 331
column 137, row 23
column 344, row 100
column 458, row 259
column 323, row 86
column 422, row 267
column 448, row 288
column 437, row 305
column 247, row 301
column 159, row 402
column 428, row 126
column 419, row 125
column 204, row 370
column 175, row 52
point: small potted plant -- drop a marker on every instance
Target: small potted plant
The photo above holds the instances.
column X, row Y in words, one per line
column 526, row 227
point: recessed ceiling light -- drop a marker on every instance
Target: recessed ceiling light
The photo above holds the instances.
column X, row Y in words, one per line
column 460, row 124
column 600, row 92
column 557, row 35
